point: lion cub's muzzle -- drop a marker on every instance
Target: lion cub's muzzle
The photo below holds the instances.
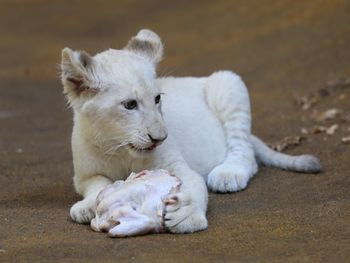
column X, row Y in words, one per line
column 157, row 133
column 158, row 140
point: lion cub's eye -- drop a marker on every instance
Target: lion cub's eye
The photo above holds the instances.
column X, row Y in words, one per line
column 157, row 99
column 130, row 104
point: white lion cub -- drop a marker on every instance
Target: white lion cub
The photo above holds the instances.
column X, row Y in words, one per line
column 127, row 120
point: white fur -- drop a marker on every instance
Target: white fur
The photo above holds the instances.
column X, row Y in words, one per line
column 207, row 121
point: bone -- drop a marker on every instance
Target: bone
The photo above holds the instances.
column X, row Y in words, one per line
column 135, row 207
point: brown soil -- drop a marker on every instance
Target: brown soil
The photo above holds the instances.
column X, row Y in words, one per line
column 282, row 49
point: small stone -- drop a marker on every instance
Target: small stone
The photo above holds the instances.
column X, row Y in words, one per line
column 318, row 129
column 325, row 115
column 346, row 140
column 306, row 102
column 304, row 131
column 331, row 130
column 286, row 143
column 338, row 84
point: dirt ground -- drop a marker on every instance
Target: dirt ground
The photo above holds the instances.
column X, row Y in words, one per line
column 282, row 49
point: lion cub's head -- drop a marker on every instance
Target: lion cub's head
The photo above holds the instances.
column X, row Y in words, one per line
column 115, row 94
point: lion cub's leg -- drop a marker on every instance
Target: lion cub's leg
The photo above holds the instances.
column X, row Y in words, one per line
column 228, row 98
column 185, row 210
column 83, row 211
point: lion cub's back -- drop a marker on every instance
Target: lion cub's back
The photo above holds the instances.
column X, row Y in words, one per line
column 190, row 122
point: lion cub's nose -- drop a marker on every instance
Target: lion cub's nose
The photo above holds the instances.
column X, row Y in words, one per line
column 157, row 140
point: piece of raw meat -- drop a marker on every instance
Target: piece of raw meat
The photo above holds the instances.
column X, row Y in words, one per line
column 135, row 206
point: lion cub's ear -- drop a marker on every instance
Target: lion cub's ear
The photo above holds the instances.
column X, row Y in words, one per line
column 148, row 44
column 76, row 68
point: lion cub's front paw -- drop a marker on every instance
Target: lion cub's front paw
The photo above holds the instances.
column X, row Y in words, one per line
column 228, row 178
column 181, row 216
column 82, row 212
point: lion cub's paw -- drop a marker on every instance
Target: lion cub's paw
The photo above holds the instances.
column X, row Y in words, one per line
column 181, row 216
column 82, row 212
column 228, row 178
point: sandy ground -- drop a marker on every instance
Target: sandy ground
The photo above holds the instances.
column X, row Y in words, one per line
column 282, row 49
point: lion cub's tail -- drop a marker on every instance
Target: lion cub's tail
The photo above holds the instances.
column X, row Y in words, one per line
column 302, row 163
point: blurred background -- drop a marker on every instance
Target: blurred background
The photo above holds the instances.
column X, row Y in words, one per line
column 289, row 53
